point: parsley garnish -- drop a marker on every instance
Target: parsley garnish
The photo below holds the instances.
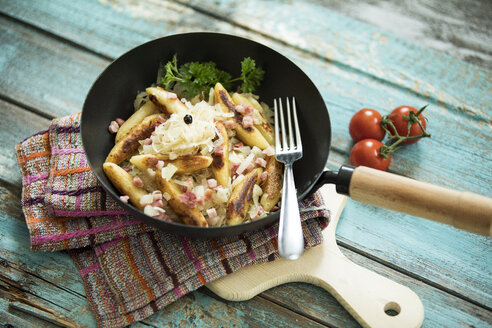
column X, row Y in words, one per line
column 196, row 78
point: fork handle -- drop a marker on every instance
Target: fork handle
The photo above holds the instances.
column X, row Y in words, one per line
column 290, row 235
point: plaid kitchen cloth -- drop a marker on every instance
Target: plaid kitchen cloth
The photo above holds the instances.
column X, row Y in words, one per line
column 130, row 270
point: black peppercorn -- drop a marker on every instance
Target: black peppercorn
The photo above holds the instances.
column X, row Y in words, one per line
column 188, row 119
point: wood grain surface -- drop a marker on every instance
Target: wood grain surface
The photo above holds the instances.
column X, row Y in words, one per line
column 373, row 54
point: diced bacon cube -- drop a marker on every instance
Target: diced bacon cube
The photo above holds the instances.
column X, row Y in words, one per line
column 249, row 168
column 164, row 217
column 230, row 124
column 120, row 121
column 161, row 119
column 212, row 213
column 127, row 169
column 157, row 195
column 189, row 198
column 249, row 110
column 212, row 183
column 264, row 176
column 158, row 203
column 113, row 127
column 219, row 150
column 138, row 182
column 269, row 151
column 238, row 145
column 260, row 161
column 234, row 168
column 247, row 121
column 208, row 194
column 240, row 109
column 125, row 198
column 261, row 210
column 147, row 141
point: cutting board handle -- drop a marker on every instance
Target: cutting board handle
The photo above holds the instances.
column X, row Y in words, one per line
column 373, row 300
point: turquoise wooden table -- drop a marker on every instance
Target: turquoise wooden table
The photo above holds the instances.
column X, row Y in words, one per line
column 52, row 51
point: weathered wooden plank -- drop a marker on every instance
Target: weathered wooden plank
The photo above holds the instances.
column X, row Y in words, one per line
column 340, row 99
column 38, row 69
column 455, row 27
column 13, row 319
column 203, row 309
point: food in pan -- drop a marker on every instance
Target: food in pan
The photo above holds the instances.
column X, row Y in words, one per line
column 203, row 162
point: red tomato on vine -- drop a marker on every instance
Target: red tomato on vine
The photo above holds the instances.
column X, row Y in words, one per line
column 408, row 122
column 371, row 153
column 366, row 123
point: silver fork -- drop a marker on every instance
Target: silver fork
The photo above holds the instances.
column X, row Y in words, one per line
column 288, row 149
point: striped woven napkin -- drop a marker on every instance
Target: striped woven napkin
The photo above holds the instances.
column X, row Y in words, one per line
column 130, row 270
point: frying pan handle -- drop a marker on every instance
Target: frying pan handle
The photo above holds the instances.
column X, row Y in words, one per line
column 463, row 210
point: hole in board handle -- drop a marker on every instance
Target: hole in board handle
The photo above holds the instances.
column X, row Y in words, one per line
column 392, row 309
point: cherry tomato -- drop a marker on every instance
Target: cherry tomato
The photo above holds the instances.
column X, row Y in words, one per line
column 401, row 123
column 366, row 153
column 366, row 123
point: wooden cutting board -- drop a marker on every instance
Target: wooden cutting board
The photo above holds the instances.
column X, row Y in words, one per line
column 366, row 295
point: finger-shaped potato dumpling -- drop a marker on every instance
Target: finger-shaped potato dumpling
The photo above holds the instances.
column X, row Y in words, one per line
column 220, row 163
column 123, row 181
column 167, row 101
column 249, row 135
column 272, row 186
column 263, row 126
column 147, row 109
column 241, row 198
column 187, row 214
column 129, row 143
column 250, row 101
column 186, row 164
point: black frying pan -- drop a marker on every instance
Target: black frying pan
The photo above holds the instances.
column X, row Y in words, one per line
column 115, row 89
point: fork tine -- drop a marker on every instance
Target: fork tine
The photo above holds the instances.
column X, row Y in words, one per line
column 277, row 132
column 282, row 127
column 289, row 123
column 296, row 126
